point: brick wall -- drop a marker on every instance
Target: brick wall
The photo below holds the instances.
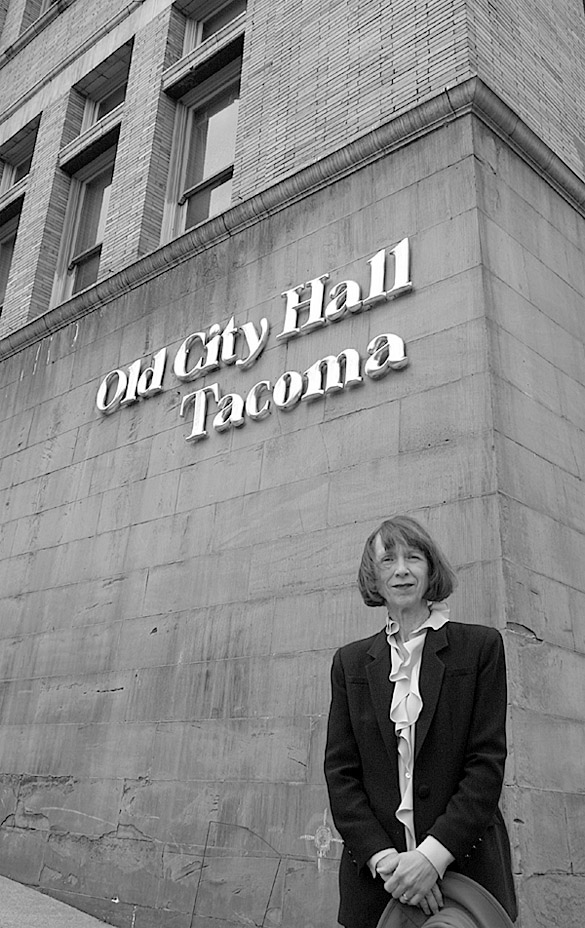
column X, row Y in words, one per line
column 341, row 69
column 41, row 223
column 531, row 54
column 318, row 74
column 143, row 154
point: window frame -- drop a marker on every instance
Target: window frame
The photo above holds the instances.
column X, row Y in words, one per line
column 101, row 83
column 17, row 153
column 194, row 26
column 178, row 196
column 8, row 232
column 69, row 260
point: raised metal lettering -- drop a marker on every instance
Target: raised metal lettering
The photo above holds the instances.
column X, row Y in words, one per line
column 108, row 406
column 288, row 389
column 231, row 412
column 345, row 296
column 256, row 343
column 294, row 304
column 387, row 352
column 150, row 382
column 209, row 360
column 331, row 374
column 199, row 401
column 253, row 410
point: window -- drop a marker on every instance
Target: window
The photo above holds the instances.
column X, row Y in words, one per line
column 208, row 157
column 205, row 20
column 7, row 239
column 104, row 88
column 16, row 156
column 205, row 82
column 86, row 219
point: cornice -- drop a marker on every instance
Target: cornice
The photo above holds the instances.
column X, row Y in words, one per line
column 469, row 97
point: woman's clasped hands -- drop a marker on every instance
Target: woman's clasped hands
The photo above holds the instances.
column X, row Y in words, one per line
column 412, row 879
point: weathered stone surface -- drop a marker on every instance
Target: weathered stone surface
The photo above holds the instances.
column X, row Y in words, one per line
column 554, row 901
column 170, row 609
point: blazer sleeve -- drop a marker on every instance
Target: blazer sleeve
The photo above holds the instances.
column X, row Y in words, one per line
column 361, row 831
column 475, row 798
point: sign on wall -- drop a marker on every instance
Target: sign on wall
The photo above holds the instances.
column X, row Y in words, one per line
column 309, row 306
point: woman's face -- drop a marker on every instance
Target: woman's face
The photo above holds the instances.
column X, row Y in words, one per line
column 402, row 574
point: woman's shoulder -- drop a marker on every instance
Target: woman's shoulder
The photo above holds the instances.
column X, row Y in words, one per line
column 361, row 646
column 473, row 634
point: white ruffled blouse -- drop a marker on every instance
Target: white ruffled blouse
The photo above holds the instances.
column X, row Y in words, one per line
column 406, row 658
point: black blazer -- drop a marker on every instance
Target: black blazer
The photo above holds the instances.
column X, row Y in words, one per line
column 460, row 753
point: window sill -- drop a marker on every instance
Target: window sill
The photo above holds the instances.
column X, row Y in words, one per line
column 205, row 60
column 10, row 200
column 92, row 142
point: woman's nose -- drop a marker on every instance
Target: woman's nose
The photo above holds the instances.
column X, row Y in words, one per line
column 401, row 566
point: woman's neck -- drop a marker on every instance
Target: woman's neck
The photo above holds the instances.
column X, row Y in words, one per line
column 408, row 620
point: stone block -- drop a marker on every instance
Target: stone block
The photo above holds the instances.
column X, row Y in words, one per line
column 197, row 582
column 445, row 414
column 221, row 477
column 530, row 535
column 575, row 818
column 118, row 467
column 227, row 689
column 447, row 248
column 505, row 257
column 547, row 751
column 539, row 831
column 311, row 896
column 553, row 899
column 65, row 805
column 231, row 889
column 287, row 509
column 550, row 680
column 394, row 482
column 537, row 330
column 537, row 428
column 243, row 749
column 323, row 619
column 554, row 296
column 138, row 502
column 538, row 483
column 130, row 866
column 22, row 852
column 319, row 560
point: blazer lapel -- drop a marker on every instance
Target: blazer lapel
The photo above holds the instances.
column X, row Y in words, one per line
column 430, row 681
column 378, row 674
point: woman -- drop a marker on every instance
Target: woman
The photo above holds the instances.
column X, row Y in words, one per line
column 416, row 741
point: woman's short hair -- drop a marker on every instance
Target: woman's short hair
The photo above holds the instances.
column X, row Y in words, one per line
column 404, row 530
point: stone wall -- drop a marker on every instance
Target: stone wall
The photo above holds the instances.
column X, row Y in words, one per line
column 532, row 245
column 170, row 608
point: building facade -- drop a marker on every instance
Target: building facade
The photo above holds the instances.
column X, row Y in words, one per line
column 269, row 273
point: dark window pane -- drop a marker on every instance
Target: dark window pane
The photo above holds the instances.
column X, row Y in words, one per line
column 6, row 250
column 109, row 103
column 222, row 18
column 208, row 202
column 94, row 209
column 213, row 137
column 86, row 272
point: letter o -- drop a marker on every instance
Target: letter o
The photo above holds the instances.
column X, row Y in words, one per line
column 108, row 406
column 288, row 389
